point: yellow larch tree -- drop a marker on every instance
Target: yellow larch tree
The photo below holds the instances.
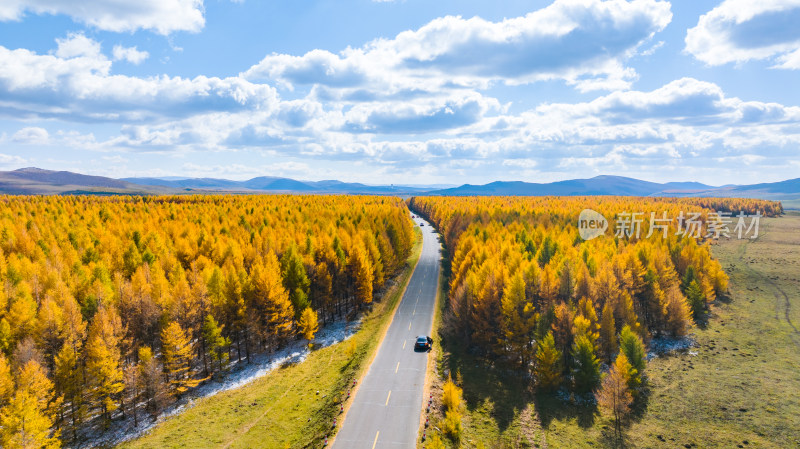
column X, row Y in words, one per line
column 177, row 352
column 308, row 324
column 104, row 374
column 26, row 421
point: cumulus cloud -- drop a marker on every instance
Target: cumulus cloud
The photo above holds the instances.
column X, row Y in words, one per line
column 31, row 136
column 76, row 83
column 685, row 101
column 77, row 45
column 130, row 54
column 581, row 41
column 416, row 117
column 160, row 16
column 742, row 30
column 677, row 122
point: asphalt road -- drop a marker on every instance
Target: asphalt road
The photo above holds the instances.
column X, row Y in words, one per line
column 385, row 412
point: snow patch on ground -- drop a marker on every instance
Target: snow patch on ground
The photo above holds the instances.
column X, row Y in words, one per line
column 659, row 346
column 663, row 345
column 240, row 374
column 586, row 399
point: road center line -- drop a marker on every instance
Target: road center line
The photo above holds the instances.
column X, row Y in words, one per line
column 398, row 367
column 387, row 398
column 409, row 325
column 376, row 439
column 404, row 344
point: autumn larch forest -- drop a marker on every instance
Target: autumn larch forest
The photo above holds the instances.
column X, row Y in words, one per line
column 117, row 306
column 527, row 292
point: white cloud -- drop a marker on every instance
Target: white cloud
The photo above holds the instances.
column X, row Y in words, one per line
column 743, row 30
column 160, row 16
column 31, row 136
column 581, row 41
column 421, row 116
column 12, row 160
column 686, row 121
column 130, row 54
column 652, row 50
column 77, row 45
column 115, row 159
column 76, row 83
column 684, row 101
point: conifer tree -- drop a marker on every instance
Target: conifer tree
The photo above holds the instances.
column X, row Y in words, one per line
column 308, row 324
column 103, row 362
column 614, row 396
column 486, row 316
column 6, row 381
column 151, row 381
column 519, row 321
column 563, row 323
column 322, row 289
column 548, row 363
column 583, row 327
column 632, row 346
column 5, row 336
column 272, row 299
column 628, row 372
column 235, row 309
column 585, row 365
column 696, row 300
column 26, row 422
column 295, row 279
column 132, row 392
column 677, row 313
column 608, row 332
column 177, row 352
column 216, row 344
column 69, row 383
column 361, row 271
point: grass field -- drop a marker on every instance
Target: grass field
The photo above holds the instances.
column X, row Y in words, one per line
column 292, row 407
column 738, row 387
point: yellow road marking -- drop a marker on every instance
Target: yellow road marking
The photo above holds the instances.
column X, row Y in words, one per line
column 398, row 367
column 409, row 325
column 387, row 397
column 376, row 439
column 404, row 344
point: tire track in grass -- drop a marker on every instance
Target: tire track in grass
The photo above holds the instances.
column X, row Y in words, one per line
column 777, row 291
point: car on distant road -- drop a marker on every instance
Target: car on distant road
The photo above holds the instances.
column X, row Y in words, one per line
column 423, row 343
column 422, row 224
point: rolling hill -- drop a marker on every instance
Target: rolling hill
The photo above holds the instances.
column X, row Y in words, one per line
column 278, row 184
column 36, row 181
column 599, row 185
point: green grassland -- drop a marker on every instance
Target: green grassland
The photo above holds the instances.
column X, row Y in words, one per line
column 292, row 407
column 738, row 387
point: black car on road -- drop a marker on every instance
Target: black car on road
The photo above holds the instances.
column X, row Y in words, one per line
column 423, row 343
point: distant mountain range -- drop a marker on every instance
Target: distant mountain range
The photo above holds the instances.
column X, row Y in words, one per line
column 35, row 181
column 45, row 182
column 599, row 185
column 274, row 184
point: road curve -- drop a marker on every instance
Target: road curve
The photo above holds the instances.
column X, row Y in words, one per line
column 386, row 409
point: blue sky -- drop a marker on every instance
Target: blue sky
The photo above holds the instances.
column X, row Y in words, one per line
column 412, row 91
